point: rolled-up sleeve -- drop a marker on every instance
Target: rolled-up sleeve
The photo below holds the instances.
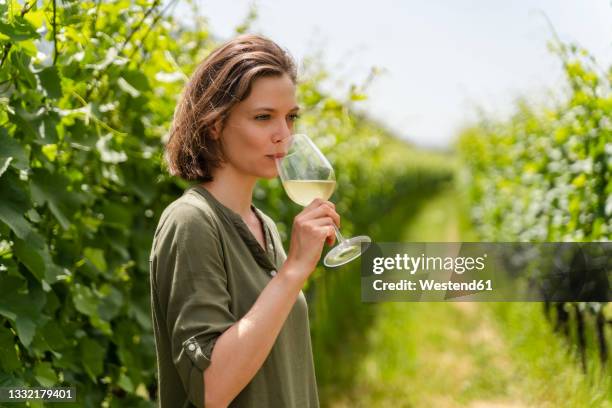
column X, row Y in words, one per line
column 190, row 283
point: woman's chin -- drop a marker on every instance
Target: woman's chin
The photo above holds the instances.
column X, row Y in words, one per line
column 269, row 175
column 269, row 172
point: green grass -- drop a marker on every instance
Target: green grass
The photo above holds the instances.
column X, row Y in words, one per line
column 550, row 370
column 465, row 354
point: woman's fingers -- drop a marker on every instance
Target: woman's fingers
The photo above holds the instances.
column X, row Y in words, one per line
column 326, row 227
column 322, row 221
column 317, row 202
column 324, row 209
column 312, row 228
column 331, row 236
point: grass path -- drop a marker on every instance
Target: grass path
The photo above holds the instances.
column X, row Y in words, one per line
column 451, row 354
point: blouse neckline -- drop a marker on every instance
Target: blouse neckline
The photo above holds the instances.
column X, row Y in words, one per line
column 260, row 254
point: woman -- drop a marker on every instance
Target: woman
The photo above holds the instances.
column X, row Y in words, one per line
column 230, row 319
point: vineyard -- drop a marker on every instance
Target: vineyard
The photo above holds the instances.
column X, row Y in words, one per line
column 545, row 175
column 87, row 94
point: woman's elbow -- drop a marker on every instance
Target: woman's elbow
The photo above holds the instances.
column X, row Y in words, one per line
column 212, row 396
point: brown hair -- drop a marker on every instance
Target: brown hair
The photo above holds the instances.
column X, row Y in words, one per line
column 224, row 78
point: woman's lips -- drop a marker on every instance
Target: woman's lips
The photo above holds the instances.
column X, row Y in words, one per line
column 276, row 156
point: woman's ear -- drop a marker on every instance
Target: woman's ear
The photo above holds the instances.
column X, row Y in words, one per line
column 215, row 130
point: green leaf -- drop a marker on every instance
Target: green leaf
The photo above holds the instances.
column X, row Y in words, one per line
column 125, row 383
column 53, row 189
column 31, row 255
column 9, row 380
column 50, row 151
column 54, row 335
column 102, row 325
column 137, row 80
column 9, row 361
column 26, row 307
column 96, row 257
column 4, row 163
column 45, row 375
column 28, row 47
column 19, row 30
column 24, row 124
column 92, row 356
column 13, row 205
column 47, row 129
column 69, row 359
column 33, row 215
column 9, row 285
column 51, row 82
column 79, row 133
column 39, row 345
column 84, row 300
column 34, row 253
column 112, row 300
column 21, row 61
column 10, row 147
column 87, row 301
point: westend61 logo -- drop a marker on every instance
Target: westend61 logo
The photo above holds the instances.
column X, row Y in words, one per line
column 413, row 264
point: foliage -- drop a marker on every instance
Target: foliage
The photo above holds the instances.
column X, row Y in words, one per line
column 544, row 175
column 87, row 92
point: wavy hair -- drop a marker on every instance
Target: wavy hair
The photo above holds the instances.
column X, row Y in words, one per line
column 224, row 78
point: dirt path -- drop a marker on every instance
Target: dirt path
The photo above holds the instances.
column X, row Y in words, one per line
column 434, row 354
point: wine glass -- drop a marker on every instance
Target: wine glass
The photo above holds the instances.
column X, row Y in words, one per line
column 306, row 174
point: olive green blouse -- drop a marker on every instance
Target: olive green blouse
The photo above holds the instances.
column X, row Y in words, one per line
column 207, row 270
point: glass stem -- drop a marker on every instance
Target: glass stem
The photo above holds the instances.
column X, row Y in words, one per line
column 341, row 239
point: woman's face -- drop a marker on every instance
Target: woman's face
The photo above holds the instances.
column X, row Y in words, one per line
column 258, row 128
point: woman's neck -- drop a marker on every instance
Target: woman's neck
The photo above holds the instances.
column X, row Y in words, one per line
column 232, row 189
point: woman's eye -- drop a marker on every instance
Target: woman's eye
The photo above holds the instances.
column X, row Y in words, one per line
column 293, row 117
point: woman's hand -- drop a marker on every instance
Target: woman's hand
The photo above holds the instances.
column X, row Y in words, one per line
column 311, row 228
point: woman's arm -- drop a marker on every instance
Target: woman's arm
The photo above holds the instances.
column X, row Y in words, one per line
column 241, row 350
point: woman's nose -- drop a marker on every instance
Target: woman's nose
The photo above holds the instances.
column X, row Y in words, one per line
column 282, row 133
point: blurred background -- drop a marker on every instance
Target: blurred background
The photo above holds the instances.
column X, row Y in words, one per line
column 445, row 121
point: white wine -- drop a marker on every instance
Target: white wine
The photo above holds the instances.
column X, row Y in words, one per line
column 303, row 192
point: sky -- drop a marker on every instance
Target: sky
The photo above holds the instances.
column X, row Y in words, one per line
column 441, row 60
